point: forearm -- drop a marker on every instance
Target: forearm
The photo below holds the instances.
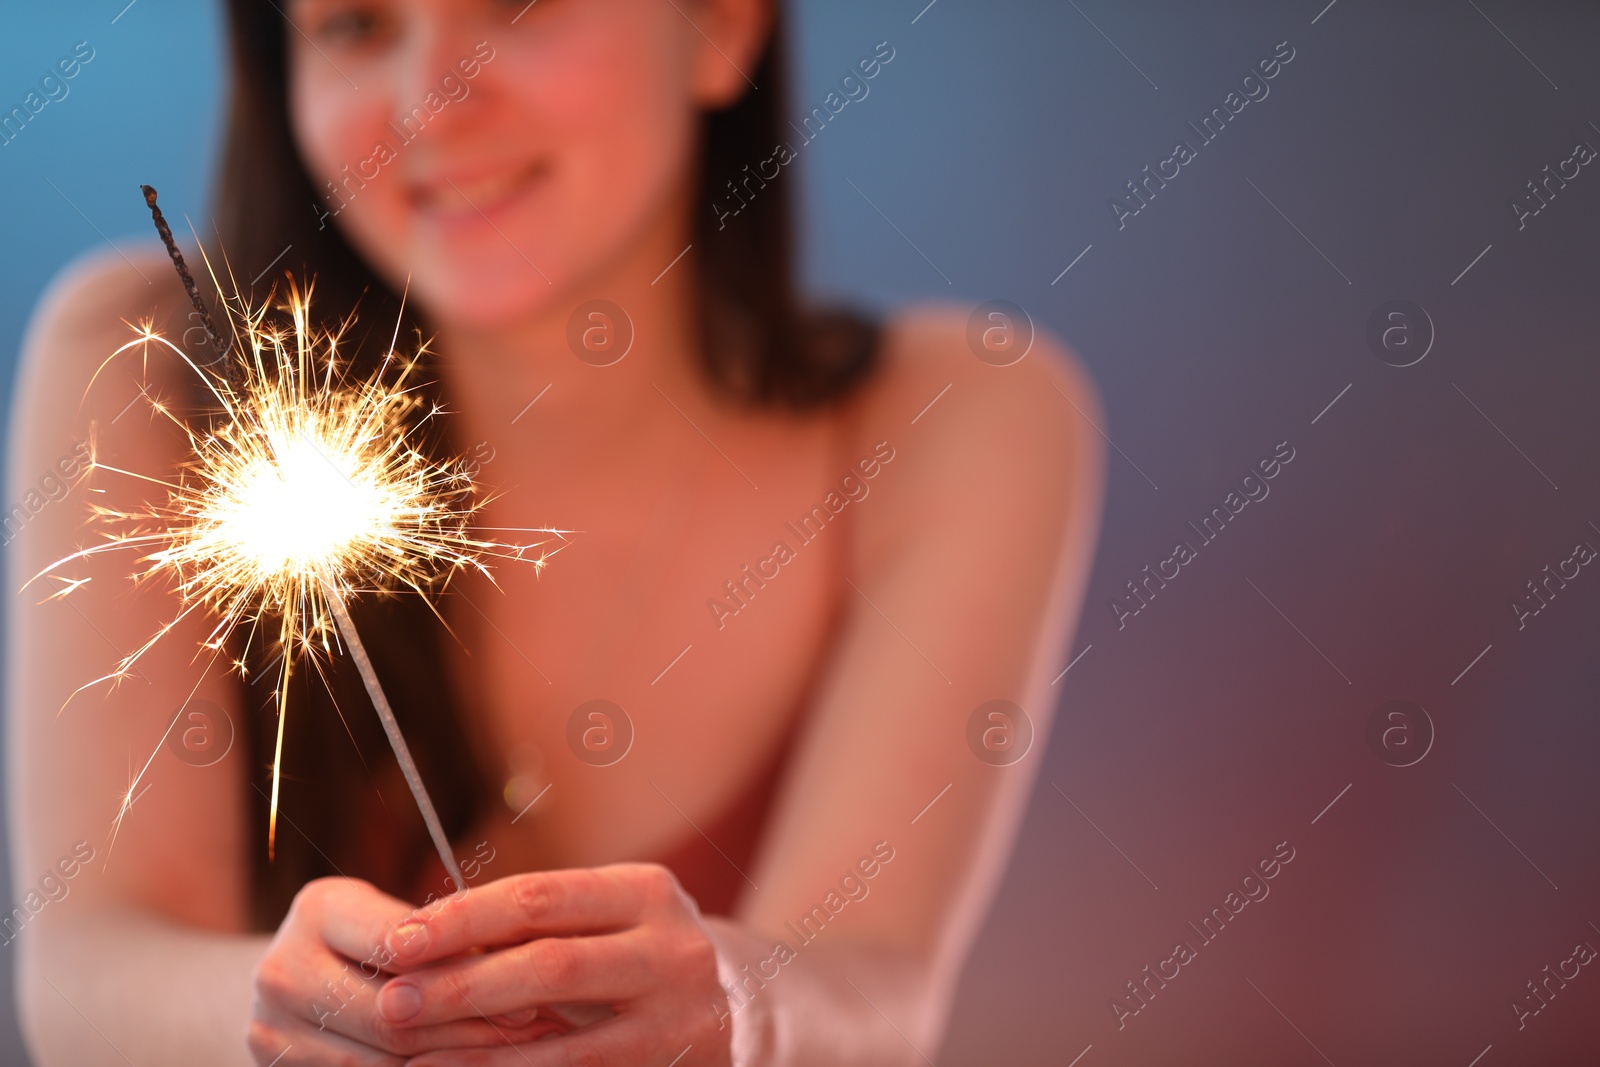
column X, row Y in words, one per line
column 823, row 1006
column 128, row 986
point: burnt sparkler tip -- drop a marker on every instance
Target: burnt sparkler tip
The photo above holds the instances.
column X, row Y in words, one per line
column 165, row 232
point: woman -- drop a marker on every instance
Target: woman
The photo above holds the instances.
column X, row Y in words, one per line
column 774, row 843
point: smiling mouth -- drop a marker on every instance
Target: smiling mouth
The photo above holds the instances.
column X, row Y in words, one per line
column 449, row 198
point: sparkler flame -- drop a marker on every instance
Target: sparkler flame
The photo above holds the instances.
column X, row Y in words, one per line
column 305, row 489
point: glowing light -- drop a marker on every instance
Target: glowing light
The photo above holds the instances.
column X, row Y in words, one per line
column 306, row 488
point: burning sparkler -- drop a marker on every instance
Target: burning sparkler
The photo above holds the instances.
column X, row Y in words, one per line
column 305, row 488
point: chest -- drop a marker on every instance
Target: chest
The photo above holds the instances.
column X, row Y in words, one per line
column 627, row 689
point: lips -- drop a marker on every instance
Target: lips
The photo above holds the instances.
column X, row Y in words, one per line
column 455, row 197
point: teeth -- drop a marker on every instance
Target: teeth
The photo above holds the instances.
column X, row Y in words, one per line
column 467, row 196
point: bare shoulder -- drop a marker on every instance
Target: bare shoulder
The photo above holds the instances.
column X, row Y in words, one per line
column 91, row 303
column 999, row 415
column 72, row 395
column 999, row 370
column 87, row 313
column 999, row 348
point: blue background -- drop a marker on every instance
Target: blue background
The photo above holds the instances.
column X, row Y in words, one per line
column 1211, row 726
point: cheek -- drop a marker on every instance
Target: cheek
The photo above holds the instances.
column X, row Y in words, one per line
column 334, row 126
column 338, row 130
column 624, row 127
column 622, row 120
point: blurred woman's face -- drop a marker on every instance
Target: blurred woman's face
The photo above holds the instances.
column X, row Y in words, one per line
column 499, row 154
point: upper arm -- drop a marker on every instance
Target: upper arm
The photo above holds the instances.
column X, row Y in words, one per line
column 969, row 558
column 73, row 757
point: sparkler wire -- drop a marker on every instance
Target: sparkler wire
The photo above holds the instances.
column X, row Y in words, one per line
column 380, row 702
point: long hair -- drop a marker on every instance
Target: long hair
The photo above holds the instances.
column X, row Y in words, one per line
column 344, row 808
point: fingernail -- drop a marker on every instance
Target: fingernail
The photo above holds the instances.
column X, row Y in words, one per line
column 400, row 1001
column 409, row 937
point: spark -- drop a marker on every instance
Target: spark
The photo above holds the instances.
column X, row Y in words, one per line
column 307, row 486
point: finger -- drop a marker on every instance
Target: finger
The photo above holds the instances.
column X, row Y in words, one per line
column 283, row 1041
column 324, row 995
column 610, row 969
column 374, row 1032
column 292, row 1044
column 359, row 921
column 624, row 1040
column 536, row 904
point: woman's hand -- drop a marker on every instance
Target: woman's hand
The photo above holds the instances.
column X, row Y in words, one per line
column 314, row 988
column 626, row 936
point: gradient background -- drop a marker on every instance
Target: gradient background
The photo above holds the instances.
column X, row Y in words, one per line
column 1227, row 715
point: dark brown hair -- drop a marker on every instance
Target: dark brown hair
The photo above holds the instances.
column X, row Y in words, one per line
column 344, row 808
